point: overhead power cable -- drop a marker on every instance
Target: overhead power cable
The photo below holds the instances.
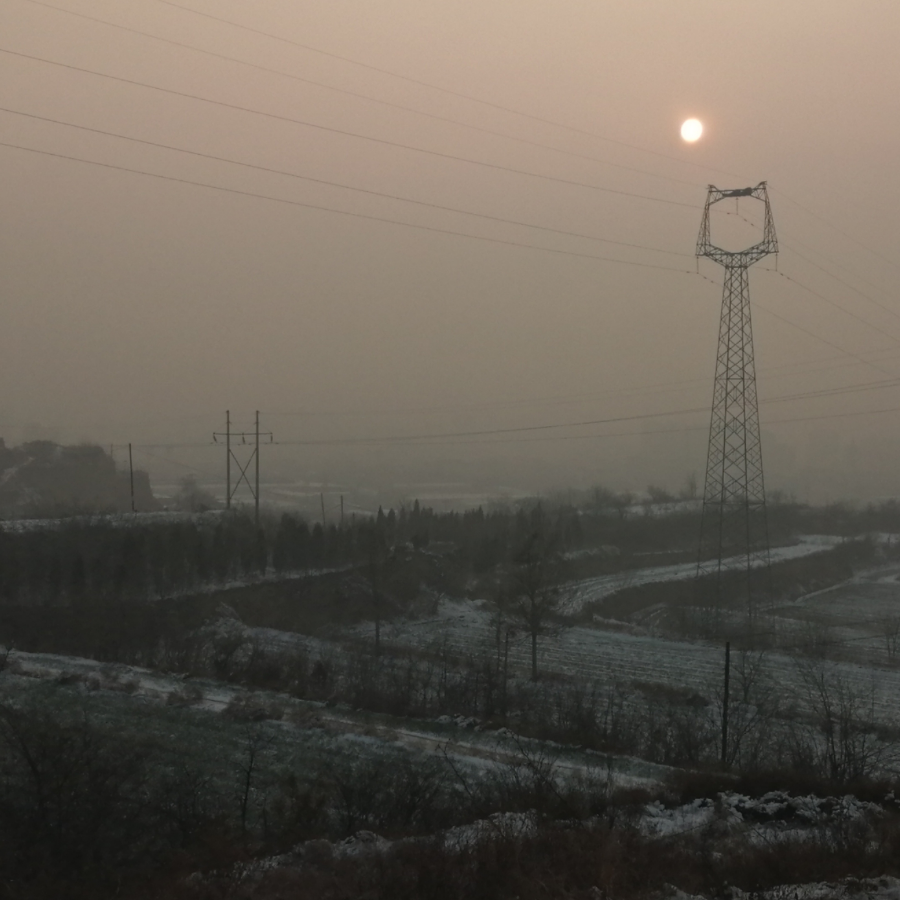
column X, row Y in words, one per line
column 142, row 448
column 495, row 431
column 516, row 435
column 655, row 389
column 511, row 110
column 345, row 133
column 342, row 212
column 806, row 331
column 832, row 303
column 840, row 280
column 825, row 299
column 832, row 392
column 496, row 437
column 831, row 225
column 843, row 415
column 582, row 424
column 491, row 437
column 781, row 371
column 303, row 80
column 337, row 184
column 821, row 268
column 821, row 340
column 793, row 240
column 789, row 246
column 443, row 90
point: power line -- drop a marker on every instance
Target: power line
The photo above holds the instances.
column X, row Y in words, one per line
column 345, row 133
column 376, row 100
column 826, row 272
column 806, row 331
column 839, row 280
column 831, row 392
column 824, row 221
column 816, row 337
column 492, row 431
column 500, row 107
column 661, row 387
column 616, row 434
column 342, row 212
column 174, row 462
column 559, row 400
column 795, row 240
column 364, row 137
column 832, row 303
column 443, row 90
column 616, row 419
column 487, row 432
column 449, row 437
column 356, row 94
column 844, row 415
column 322, row 181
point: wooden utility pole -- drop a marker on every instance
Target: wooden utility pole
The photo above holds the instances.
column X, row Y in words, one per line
column 131, row 476
column 725, row 704
column 227, row 459
column 342, row 512
column 505, row 668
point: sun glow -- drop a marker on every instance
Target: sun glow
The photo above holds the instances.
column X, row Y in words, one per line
column 691, row 130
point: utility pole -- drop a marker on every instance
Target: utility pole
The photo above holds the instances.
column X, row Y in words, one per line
column 322, row 501
column 243, row 468
column 131, row 476
column 734, row 535
column 725, row 705
column 342, row 512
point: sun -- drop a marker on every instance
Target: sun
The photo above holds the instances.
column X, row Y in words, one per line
column 691, row 130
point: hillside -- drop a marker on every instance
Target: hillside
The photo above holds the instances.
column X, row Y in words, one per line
column 45, row 478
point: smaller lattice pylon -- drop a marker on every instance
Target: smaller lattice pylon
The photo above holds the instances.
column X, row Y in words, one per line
column 230, row 437
column 734, row 535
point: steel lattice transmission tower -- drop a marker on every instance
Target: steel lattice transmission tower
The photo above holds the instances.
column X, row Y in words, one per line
column 734, row 532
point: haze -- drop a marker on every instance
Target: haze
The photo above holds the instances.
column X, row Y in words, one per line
column 138, row 309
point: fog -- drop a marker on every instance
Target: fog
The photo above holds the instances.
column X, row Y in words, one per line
column 138, row 308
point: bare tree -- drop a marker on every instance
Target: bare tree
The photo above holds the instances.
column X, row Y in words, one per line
column 753, row 705
column 193, row 498
column 689, row 491
column 843, row 742
column 890, row 628
column 503, row 625
column 256, row 743
column 535, row 594
column 380, row 565
column 622, row 503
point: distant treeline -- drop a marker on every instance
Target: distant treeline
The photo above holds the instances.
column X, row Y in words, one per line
column 90, row 561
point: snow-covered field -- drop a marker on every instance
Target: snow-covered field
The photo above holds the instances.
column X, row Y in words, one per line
column 330, row 729
column 591, row 590
column 852, row 615
column 845, row 623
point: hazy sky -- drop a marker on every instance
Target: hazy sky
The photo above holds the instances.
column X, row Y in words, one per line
column 138, row 309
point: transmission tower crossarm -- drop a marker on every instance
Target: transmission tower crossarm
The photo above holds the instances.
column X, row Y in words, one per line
column 768, row 244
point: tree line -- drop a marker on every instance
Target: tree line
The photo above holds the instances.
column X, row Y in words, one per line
column 84, row 560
